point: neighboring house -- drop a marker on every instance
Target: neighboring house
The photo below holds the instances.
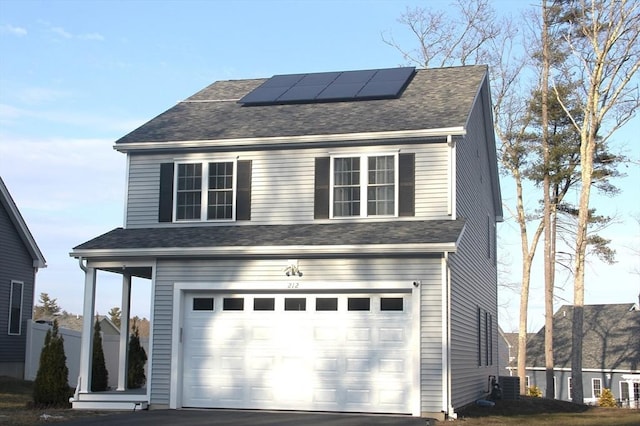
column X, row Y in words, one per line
column 505, row 353
column 511, row 343
column 610, row 353
column 319, row 241
column 74, row 322
column 20, row 259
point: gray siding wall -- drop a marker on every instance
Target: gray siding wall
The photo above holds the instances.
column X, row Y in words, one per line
column 283, row 182
column 371, row 269
column 15, row 264
column 474, row 275
column 538, row 378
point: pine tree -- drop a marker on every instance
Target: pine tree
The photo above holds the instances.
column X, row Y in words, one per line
column 51, row 387
column 606, row 399
column 137, row 359
column 99, row 373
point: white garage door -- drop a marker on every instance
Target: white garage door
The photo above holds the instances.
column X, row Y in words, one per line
column 327, row 352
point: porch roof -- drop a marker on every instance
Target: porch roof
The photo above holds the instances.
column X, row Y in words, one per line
column 353, row 237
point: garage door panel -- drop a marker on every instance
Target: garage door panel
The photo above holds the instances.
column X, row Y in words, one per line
column 337, row 360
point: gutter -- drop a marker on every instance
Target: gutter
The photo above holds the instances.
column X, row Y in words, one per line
column 279, row 140
column 226, row 251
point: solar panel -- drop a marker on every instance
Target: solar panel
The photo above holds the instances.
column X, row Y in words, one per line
column 330, row 86
column 301, row 93
column 340, row 91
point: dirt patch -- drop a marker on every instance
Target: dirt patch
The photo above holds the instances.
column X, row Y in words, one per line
column 524, row 406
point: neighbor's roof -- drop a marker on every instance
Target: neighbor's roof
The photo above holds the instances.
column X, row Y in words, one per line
column 610, row 339
column 360, row 237
column 21, row 226
column 438, row 98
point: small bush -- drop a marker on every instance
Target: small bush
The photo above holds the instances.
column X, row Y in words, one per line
column 99, row 373
column 606, row 399
column 51, row 387
column 137, row 359
column 534, row 391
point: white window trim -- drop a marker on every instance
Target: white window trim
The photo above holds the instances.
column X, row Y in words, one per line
column 364, row 173
column 593, row 387
column 204, row 191
column 10, row 305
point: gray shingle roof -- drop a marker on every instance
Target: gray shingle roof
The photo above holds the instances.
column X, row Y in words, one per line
column 610, row 338
column 360, row 233
column 435, row 98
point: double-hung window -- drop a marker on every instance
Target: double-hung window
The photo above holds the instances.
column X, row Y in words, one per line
column 205, row 191
column 364, row 185
column 596, row 387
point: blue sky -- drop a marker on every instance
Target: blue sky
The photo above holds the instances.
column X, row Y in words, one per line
column 77, row 75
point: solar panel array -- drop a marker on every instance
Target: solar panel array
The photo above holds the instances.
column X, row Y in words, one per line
column 385, row 83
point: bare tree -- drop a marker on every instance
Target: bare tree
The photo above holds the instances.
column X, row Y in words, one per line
column 470, row 35
column 603, row 38
column 446, row 39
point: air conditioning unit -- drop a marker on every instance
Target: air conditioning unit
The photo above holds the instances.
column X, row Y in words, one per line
column 510, row 386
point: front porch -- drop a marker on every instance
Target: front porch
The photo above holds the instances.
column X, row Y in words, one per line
column 120, row 398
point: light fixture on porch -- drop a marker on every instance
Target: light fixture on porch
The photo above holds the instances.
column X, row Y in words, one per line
column 292, row 268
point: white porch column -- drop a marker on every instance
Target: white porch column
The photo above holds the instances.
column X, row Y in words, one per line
column 124, row 332
column 87, row 330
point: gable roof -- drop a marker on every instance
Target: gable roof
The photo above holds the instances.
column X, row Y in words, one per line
column 436, row 98
column 417, row 236
column 21, row 227
column 610, row 339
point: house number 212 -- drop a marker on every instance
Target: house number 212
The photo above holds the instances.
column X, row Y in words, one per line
column 293, row 285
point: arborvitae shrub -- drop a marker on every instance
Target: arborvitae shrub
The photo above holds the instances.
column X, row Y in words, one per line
column 137, row 359
column 606, row 399
column 534, row 391
column 51, row 387
column 99, row 373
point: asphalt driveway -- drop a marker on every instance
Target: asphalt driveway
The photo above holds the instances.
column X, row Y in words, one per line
column 243, row 418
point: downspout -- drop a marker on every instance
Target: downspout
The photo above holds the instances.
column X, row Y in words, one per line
column 451, row 181
column 84, row 268
column 446, row 335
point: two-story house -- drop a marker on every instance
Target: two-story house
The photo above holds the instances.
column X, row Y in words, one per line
column 322, row 241
column 20, row 259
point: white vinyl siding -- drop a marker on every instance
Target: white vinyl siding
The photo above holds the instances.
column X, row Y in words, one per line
column 282, row 184
column 428, row 271
column 474, row 274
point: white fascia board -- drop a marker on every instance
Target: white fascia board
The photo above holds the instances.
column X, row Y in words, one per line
column 277, row 140
column 585, row 370
column 225, row 251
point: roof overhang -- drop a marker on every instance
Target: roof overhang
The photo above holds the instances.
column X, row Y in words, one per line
column 268, row 251
column 290, row 140
column 21, row 226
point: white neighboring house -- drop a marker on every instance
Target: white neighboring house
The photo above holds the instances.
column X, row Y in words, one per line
column 322, row 241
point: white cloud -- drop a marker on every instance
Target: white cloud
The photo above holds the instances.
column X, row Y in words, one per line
column 39, row 95
column 91, row 36
column 10, row 29
column 61, row 32
column 95, row 121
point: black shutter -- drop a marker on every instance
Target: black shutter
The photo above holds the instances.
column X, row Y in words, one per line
column 321, row 200
column 243, row 196
column 165, row 208
column 407, row 183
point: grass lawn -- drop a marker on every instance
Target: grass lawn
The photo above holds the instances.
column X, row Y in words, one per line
column 15, row 402
column 541, row 411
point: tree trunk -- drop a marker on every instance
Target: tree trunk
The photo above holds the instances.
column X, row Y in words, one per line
column 549, row 260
